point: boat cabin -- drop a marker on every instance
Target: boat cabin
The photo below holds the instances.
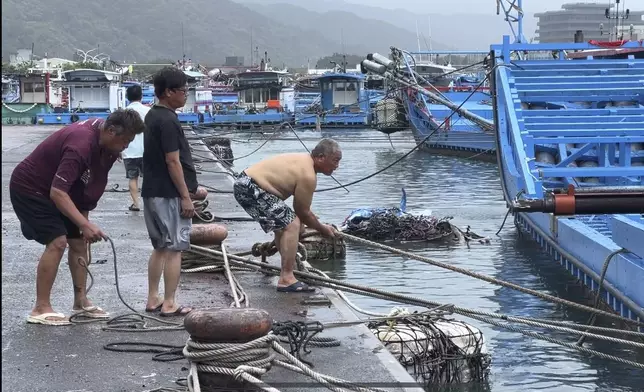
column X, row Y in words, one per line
column 92, row 90
column 32, row 88
column 10, row 90
column 256, row 88
column 344, row 92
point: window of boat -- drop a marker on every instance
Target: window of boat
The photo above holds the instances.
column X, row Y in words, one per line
column 248, row 96
column 340, row 86
column 257, row 95
column 351, row 86
column 33, row 87
column 274, row 94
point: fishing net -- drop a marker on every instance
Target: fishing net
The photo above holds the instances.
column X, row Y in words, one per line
column 220, row 146
column 436, row 350
column 393, row 225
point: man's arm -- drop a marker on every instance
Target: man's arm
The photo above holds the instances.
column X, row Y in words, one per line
column 302, row 198
column 176, row 173
column 69, row 171
column 170, row 145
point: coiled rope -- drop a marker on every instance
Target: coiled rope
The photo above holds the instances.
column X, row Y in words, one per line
column 246, row 361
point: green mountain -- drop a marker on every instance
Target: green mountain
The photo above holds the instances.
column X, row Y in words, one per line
column 146, row 30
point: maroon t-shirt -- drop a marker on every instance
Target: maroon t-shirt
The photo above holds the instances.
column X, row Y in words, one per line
column 71, row 160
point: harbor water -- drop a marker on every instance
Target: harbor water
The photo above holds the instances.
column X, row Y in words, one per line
column 469, row 191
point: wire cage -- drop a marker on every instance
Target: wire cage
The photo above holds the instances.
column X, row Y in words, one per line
column 436, row 351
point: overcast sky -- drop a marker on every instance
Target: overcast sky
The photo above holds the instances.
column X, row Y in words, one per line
column 481, row 6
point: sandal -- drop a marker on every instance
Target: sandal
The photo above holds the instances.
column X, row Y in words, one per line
column 297, row 287
column 133, row 208
column 181, row 311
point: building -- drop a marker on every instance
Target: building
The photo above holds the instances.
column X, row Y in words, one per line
column 234, row 61
column 590, row 18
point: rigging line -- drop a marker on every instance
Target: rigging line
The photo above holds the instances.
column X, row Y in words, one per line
column 487, row 75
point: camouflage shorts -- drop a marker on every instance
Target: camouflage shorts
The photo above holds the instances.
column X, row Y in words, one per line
column 269, row 210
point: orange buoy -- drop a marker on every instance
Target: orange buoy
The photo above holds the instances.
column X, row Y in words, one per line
column 200, row 194
column 208, row 234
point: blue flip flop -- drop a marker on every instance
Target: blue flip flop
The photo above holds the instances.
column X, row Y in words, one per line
column 297, row 287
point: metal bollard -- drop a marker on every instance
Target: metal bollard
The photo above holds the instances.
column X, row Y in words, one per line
column 228, row 325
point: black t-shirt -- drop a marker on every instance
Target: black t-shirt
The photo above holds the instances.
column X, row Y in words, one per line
column 163, row 134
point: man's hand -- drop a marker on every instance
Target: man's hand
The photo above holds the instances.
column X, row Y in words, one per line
column 92, row 233
column 328, row 231
column 187, row 208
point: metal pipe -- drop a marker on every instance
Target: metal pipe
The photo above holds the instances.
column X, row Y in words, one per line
column 566, row 205
column 605, row 189
column 480, row 121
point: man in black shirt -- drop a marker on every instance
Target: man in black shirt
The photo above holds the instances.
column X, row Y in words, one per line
column 169, row 177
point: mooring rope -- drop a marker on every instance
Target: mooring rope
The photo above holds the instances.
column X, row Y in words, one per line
column 475, row 314
column 490, row 279
column 245, row 361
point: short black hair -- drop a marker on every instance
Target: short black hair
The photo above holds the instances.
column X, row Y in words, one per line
column 134, row 93
column 125, row 122
column 168, row 78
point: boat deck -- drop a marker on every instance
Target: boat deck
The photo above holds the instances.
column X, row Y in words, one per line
column 579, row 123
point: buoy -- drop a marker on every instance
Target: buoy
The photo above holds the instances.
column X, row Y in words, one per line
column 208, row 234
column 200, row 194
column 227, row 325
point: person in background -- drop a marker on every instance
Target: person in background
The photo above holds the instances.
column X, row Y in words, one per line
column 262, row 188
column 169, row 177
column 133, row 155
column 52, row 192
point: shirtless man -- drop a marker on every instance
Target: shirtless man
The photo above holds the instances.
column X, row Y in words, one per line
column 262, row 188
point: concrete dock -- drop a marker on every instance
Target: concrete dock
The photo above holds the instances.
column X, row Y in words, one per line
column 72, row 358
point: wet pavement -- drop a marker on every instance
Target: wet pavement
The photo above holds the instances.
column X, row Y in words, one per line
column 72, row 358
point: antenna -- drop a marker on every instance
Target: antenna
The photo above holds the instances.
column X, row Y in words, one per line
column 251, row 46
column 183, row 49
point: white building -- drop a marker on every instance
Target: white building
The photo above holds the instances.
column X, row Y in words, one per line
column 590, row 18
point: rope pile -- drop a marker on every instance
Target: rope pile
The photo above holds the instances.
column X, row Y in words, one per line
column 201, row 212
column 247, row 361
column 220, row 146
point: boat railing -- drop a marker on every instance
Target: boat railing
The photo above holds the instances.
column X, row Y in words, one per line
column 564, row 122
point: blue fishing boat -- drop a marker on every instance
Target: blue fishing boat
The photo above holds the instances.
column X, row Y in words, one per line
column 344, row 102
column 86, row 93
column 568, row 138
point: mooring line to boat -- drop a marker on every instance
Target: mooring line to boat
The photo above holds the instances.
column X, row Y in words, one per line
column 490, row 279
column 593, row 317
column 419, row 144
column 315, row 278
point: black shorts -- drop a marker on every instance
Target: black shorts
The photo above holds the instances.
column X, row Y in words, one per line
column 40, row 220
column 133, row 167
column 269, row 210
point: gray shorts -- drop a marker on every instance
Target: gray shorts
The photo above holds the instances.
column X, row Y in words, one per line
column 133, row 167
column 166, row 227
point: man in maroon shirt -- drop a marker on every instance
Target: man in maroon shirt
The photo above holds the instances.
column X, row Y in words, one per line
column 52, row 191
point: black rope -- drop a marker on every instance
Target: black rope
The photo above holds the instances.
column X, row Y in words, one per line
column 418, row 145
column 298, row 336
